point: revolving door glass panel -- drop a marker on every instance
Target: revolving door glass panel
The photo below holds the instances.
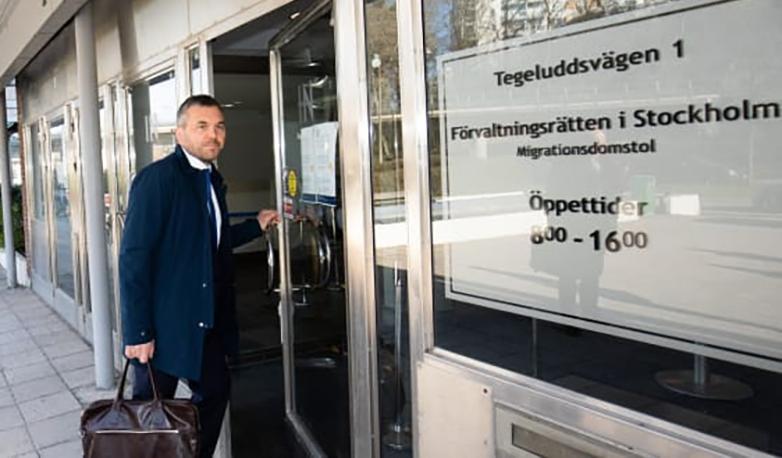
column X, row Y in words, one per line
column 313, row 224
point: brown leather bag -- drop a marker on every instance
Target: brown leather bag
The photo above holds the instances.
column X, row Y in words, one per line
column 140, row 429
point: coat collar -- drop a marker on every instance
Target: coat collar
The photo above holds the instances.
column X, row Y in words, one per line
column 182, row 160
column 187, row 168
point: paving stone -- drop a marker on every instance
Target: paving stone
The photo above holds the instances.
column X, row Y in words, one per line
column 21, row 359
column 6, row 399
column 9, row 320
column 66, row 450
column 55, row 351
column 47, row 320
column 37, row 388
column 58, row 338
column 27, row 308
column 27, row 373
column 11, row 336
column 48, row 406
column 55, row 430
column 89, row 394
column 47, row 328
column 26, row 302
column 17, row 346
column 74, row 361
column 79, row 377
column 32, row 311
column 28, row 455
column 39, row 330
column 15, row 442
column 35, row 317
column 9, row 325
column 10, row 418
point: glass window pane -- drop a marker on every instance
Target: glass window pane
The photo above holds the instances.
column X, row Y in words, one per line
column 10, row 100
column 16, row 163
column 313, row 222
column 40, row 228
column 195, row 72
column 390, row 229
column 107, row 156
column 154, row 118
column 62, row 164
column 596, row 189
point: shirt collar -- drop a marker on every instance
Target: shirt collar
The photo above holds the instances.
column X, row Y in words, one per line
column 195, row 162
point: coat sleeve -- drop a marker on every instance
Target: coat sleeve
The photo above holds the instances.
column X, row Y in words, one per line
column 245, row 232
column 144, row 225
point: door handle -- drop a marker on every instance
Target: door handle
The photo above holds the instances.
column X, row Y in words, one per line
column 270, row 264
column 121, row 220
column 324, row 258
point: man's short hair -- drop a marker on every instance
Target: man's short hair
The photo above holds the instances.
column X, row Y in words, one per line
column 201, row 100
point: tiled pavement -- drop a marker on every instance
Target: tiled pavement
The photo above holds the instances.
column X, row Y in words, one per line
column 46, row 378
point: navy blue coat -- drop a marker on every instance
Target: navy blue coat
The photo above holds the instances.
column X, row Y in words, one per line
column 174, row 285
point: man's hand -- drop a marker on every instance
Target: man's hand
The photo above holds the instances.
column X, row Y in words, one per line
column 144, row 352
column 268, row 217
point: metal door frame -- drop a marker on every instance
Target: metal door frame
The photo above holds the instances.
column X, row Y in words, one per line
column 114, row 156
column 354, row 150
column 74, row 167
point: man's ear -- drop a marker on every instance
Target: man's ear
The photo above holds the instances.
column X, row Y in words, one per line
column 178, row 134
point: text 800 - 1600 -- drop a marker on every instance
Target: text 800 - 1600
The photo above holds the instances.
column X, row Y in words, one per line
column 612, row 241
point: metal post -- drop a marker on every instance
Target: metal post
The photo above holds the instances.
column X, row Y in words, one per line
column 700, row 370
column 534, row 350
column 398, row 436
column 5, row 182
column 700, row 382
column 93, row 197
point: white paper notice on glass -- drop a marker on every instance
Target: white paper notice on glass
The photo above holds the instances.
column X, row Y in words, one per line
column 318, row 160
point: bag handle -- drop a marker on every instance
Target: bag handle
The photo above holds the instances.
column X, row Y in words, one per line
column 121, row 389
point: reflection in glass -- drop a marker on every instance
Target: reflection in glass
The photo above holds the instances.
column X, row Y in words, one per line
column 40, row 236
column 107, row 150
column 313, row 223
column 11, row 108
column 390, row 231
column 61, row 168
column 154, row 118
column 122, row 132
column 549, row 240
column 195, row 72
column 16, row 162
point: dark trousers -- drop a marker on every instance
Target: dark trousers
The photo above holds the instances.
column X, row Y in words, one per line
column 210, row 394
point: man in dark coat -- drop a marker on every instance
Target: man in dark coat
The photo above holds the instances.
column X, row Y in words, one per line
column 176, row 269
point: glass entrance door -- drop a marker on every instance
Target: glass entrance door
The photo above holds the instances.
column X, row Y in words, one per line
column 313, row 299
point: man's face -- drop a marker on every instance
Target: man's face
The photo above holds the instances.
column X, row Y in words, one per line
column 203, row 132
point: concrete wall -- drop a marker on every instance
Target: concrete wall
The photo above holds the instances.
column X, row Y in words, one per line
column 132, row 38
column 49, row 81
column 26, row 26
